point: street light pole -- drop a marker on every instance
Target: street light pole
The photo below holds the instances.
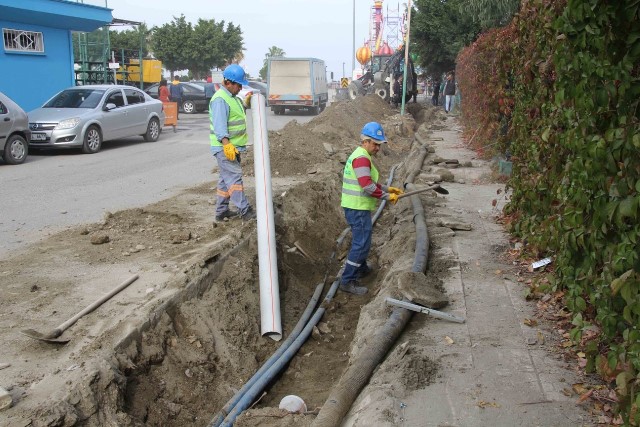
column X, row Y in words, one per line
column 406, row 60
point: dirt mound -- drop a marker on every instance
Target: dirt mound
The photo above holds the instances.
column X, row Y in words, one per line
column 324, row 143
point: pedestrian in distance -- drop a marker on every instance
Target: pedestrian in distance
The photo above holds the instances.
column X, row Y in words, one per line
column 449, row 92
column 360, row 191
column 163, row 91
column 176, row 92
column 228, row 137
column 415, row 87
column 436, row 93
column 397, row 91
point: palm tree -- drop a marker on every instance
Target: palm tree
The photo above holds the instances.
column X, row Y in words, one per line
column 274, row 52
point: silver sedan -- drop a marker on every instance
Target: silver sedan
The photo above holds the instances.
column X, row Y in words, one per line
column 86, row 116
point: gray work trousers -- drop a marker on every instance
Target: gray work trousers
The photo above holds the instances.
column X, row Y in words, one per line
column 230, row 187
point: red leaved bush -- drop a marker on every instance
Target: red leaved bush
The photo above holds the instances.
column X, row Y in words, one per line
column 483, row 76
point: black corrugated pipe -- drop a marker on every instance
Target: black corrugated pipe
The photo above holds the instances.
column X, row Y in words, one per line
column 358, row 373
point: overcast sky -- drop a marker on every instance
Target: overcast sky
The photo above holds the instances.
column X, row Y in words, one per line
column 302, row 28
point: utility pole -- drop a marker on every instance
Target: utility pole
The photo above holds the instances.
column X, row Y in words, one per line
column 353, row 46
column 343, row 69
column 406, row 59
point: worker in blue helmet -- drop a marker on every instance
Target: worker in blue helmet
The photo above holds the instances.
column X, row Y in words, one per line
column 228, row 138
column 360, row 191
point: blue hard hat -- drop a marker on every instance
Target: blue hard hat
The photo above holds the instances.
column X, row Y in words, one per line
column 235, row 73
column 374, row 131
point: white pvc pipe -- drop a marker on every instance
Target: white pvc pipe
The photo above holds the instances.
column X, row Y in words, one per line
column 271, row 324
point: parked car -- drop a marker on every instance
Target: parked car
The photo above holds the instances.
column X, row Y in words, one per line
column 193, row 97
column 242, row 94
column 86, row 116
column 14, row 131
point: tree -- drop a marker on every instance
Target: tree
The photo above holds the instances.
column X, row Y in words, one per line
column 131, row 40
column 274, row 52
column 209, row 36
column 171, row 43
column 490, row 13
column 232, row 44
column 208, row 44
column 439, row 31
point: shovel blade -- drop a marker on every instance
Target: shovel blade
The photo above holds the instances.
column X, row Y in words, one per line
column 441, row 190
column 51, row 337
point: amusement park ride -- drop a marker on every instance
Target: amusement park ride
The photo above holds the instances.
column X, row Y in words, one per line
column 382, row 61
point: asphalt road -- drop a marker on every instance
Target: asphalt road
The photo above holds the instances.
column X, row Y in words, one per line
column 54, row 190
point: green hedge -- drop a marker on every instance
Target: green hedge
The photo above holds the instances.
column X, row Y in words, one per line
column 573, row 71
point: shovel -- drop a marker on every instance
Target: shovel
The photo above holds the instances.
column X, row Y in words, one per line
column 52, row 336
column 435, row 188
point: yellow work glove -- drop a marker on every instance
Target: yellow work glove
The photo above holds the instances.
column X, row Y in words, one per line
column 230, row 151
column 395, row 190
column 393, row 198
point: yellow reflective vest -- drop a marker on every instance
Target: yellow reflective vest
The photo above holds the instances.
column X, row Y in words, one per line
column 353, row 195
column 236, row 124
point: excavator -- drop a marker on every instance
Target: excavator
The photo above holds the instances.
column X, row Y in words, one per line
column 378, row 78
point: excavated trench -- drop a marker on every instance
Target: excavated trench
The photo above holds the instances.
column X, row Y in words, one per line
column 186, row 367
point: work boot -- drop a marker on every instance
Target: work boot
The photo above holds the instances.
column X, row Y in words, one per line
column 249, row 214
column 226, row 214
column 353, row 288
column 364, row 271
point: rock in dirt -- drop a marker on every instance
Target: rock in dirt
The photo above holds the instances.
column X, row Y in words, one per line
column 455, row 225
column 430, row 177
column 446, row 175
column 180, row 236
column 99, row 238
column 329, row 148
column 5, row 399
column 4, row 365
column 324, row 328
column 416, row 288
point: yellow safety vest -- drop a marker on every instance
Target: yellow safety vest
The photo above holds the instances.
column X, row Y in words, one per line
column 353, row 195
column 236, row 124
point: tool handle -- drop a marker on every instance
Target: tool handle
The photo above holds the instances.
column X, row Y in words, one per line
column 98, row 303
column 422, row 190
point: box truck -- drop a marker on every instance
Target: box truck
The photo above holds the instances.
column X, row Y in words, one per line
column 296, row 84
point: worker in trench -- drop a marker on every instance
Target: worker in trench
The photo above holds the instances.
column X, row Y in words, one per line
column 228, row 135
column 360, row 191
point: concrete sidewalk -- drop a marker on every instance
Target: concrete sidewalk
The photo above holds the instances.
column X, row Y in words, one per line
column 492, row 370
column 496, row 372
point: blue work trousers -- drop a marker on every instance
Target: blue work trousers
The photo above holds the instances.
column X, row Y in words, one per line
column 361, row 228
column 230, row 186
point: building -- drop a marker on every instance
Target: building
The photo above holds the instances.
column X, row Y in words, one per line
column 36, row 58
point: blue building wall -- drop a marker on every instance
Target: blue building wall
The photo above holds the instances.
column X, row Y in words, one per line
column 32, row 78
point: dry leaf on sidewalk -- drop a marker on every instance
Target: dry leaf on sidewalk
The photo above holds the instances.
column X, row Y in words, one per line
column 484, row 404
column 448, row 340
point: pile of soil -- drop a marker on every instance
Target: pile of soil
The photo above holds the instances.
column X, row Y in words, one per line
column 324, row 143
